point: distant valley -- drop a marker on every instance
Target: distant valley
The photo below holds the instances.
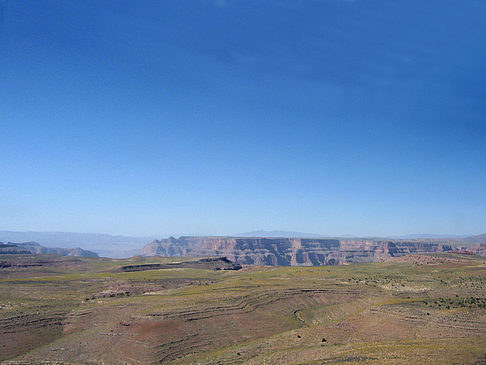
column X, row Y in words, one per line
column 103, row 244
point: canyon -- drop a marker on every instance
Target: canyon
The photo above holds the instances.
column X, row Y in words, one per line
column 291, row 251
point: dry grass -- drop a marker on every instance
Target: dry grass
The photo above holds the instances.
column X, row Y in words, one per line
column 394, row 312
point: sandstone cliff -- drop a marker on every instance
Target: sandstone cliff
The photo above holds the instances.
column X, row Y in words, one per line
column 289, row 251
column 478, row 249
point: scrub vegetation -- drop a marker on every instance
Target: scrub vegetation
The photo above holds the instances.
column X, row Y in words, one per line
column 419, row 309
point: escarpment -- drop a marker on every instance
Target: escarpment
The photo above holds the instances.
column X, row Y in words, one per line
column 290, row 251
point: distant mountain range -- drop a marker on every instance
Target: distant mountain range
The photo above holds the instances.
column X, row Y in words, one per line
column 290, row 234
column 103, row 244
column 480, row 238
column 22, row 248
column 432, row 236
column 287, row 234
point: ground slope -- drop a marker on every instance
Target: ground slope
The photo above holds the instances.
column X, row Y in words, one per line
column 91, row 310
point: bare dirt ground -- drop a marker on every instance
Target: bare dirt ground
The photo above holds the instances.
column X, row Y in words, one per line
column 415, row 310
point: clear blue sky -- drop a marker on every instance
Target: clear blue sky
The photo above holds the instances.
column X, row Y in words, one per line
column 363, row 117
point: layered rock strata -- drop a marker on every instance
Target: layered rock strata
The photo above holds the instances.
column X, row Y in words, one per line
column 289, row 251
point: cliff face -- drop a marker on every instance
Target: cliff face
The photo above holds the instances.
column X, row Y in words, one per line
column 479, row 249
column 12, row 249
column 289, row 251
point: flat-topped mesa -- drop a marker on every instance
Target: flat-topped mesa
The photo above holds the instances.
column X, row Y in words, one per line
column 289, row 251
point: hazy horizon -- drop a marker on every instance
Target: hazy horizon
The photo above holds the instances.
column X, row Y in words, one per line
column 272, row 233
column 328, row 158
column 216, row 117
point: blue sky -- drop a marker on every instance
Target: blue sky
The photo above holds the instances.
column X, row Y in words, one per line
column 364, row 117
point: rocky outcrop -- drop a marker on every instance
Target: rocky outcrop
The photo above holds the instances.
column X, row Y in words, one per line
column 11, row 249
column 289, row 251
column 36, row 249
column 478, row 249
column 211, row 263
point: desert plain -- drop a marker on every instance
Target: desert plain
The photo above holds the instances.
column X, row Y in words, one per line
column 415, row 309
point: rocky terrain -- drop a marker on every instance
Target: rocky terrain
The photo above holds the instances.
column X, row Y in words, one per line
column 36, row 249
column 478, row 249
column 12, row 249
column 290, row 251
